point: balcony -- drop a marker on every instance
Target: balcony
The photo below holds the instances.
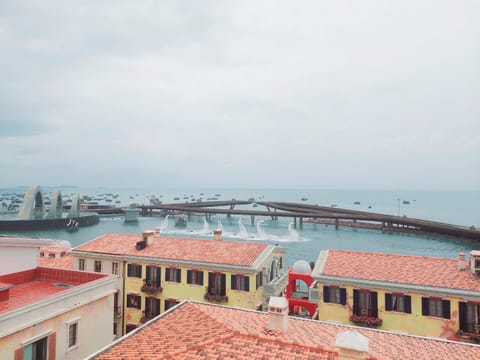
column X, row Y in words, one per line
column 276, row 286
column 213, row 296
column 150, row 287
column 367, row 321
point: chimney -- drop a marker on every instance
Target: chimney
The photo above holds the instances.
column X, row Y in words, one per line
column 217, row 234
column 462, row 265
column 148, row 237
column 278, row 314
column 351, row 346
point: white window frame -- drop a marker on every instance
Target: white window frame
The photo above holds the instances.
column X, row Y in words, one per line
column 70, row 323
column 32, row 340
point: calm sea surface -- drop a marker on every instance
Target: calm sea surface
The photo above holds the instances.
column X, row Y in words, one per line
column 454, row 207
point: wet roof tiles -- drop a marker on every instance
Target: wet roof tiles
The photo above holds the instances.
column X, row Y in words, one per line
column 404, row 269
column 204, row 331
column 195, row 250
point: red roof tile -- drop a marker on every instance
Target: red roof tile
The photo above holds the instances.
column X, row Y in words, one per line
column 405, row 269
column 64, row 261
column 204, row 331
column 196, row 250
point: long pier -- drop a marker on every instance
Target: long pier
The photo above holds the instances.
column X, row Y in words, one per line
column 317, row 214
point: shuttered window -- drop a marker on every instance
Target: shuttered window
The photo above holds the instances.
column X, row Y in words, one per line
column 365, row 303
column 217, row 283
column 195, row 277
column 134, row 270
column 133, row 301
column 398, row 302
column 334, row 295
column 153, row 276
column 436, row 307
column 240, row 282
column 173, row 274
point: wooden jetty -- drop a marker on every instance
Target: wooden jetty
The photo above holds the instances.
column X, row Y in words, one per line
column 301, row 213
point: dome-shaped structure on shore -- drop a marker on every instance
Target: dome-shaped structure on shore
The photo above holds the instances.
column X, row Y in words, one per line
column 301, row 267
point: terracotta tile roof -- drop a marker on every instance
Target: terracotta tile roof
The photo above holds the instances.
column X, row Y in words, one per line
column 35, row 285
column 204, row 331
column 64, row 261
column 196, row 250
column 405, row 269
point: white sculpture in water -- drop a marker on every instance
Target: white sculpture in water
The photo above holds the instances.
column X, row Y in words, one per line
column 33, row 206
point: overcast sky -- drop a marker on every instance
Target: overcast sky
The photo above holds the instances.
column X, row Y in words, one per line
column 257, row 94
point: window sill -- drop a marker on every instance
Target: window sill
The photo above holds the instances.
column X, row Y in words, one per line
column 72, row 348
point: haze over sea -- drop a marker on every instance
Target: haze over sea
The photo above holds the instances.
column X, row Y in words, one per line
column 454, row 207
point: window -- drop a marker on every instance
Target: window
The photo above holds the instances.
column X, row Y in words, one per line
column 115, row 331
column 195, row 277
column 152, row 307
column 81, row 264
column 240, row 282
column 153, row 276
column 115, row 268
column 173, row 274
column 365, row 303
column 133, row 301
column 37, row 350
column 72, row 334
column 134, row 270
column 469, row 316
column 98, row 266
column 216, row 283
column 436, row 307
column 259, row 279
column 334, row 295
column 170, row 303
column 398, row 302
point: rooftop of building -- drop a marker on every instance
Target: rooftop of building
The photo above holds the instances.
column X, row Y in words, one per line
column 180, row 249
column 32, row 286
column 393, row 268
column 57, row 257
column 204, row 331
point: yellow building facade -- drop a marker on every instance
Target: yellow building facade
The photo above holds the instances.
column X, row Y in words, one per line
column 417, row 295
column 157, row 272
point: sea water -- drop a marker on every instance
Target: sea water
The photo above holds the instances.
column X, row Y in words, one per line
column 454, row 207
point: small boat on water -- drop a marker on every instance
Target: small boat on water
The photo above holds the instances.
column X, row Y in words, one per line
column 356, row 203
column 180, row 222
column 72, row 225
column 406, row 202
column 304, row 199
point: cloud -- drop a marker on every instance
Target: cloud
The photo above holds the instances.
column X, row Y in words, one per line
column 272, row 94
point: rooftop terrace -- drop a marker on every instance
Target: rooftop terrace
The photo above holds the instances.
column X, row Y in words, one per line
column 28, row 287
